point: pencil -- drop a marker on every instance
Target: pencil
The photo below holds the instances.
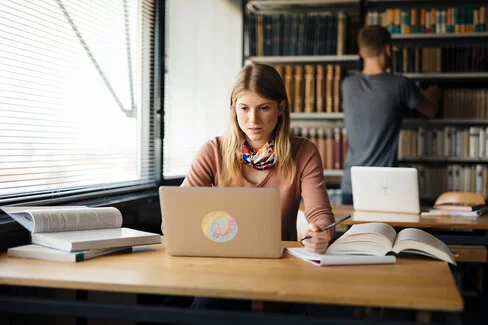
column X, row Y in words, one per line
column 328, row 226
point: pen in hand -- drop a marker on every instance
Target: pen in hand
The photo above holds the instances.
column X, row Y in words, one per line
column 328, row 227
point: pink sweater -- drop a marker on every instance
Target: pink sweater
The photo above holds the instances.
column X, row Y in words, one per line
column 205, row 171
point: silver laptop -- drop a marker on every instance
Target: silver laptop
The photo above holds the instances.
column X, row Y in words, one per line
column 221, row 221
column 385, row 189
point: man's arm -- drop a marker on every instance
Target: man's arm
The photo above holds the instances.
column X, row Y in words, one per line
column 429, row 101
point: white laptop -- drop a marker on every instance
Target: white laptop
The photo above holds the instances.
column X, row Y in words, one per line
column 221, row 221
column 385, row 189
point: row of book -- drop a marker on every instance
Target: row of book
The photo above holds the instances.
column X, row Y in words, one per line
column 464, row 103
column 434, row 181
column 313, row 93
column 430, row 20
column 312, row 88
column 449, row 141
column 331, row 142
column 445, row 59
column 297, row 34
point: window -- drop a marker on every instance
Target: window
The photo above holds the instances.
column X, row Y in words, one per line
column 76, row 97
column 204, row 54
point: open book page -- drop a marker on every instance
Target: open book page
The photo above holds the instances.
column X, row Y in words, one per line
column 412, row 240
column 68, row 218
column 367, row 238
column 324, row 259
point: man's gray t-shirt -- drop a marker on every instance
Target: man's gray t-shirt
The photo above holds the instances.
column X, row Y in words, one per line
column 374, row 106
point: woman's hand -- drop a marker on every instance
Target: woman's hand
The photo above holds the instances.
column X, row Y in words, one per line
column 319, row 241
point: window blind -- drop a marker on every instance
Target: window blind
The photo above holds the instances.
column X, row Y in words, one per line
column 76, row 109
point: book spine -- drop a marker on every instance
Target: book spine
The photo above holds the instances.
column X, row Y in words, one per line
column 336, row 97
column 337, row 149
column 290, row 87
column 330, row 148
column 320, row 99
column 309, row 88
column 344, row 148
column 322, row 146
column 299, row 89
column 341, row 33
column 329, row 79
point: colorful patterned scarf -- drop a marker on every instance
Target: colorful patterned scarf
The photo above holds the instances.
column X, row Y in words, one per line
column 261, row 159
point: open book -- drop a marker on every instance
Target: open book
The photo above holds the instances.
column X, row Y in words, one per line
column 76, row 228
column 380, row 239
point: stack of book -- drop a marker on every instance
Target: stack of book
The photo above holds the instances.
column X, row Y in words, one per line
column 75, row 233
column 459, row 204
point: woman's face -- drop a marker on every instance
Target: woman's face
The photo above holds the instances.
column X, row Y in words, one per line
column 257, row 117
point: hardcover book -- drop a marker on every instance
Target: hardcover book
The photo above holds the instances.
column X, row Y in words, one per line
column 77, row 228
column 46, row 253
column 381, row 239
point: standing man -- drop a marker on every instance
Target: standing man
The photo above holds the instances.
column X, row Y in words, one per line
column 374, row 104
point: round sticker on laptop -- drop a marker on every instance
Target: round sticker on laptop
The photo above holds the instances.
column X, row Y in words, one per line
column 219, row 226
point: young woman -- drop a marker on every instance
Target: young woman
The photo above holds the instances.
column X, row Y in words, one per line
column 258, row 151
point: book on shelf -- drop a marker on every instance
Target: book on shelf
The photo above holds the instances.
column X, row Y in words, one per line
column 437, row 60
column 444, row 142
column 329, row 82
column 45, row 253
column 298, row 33
column 336, row 98
column 471, row 19
column 381, row 239
column 299, row 90
column 320, row 89
column 76, row 228
column 309, row 88
column 434, row 180
column 331, row 143
column 312, row 88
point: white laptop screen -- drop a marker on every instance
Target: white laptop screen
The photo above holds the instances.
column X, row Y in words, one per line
column 385, row 189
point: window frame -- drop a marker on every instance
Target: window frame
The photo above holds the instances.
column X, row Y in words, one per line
column 118, row 195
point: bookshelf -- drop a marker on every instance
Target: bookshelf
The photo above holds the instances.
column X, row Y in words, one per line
column 450, row 150
column 312, row 44
column 463, row 82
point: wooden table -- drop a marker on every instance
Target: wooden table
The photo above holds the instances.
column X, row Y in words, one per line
column 409, row 220
column 423, row 285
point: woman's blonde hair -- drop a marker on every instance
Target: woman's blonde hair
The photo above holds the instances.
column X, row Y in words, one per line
column 264, row 80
